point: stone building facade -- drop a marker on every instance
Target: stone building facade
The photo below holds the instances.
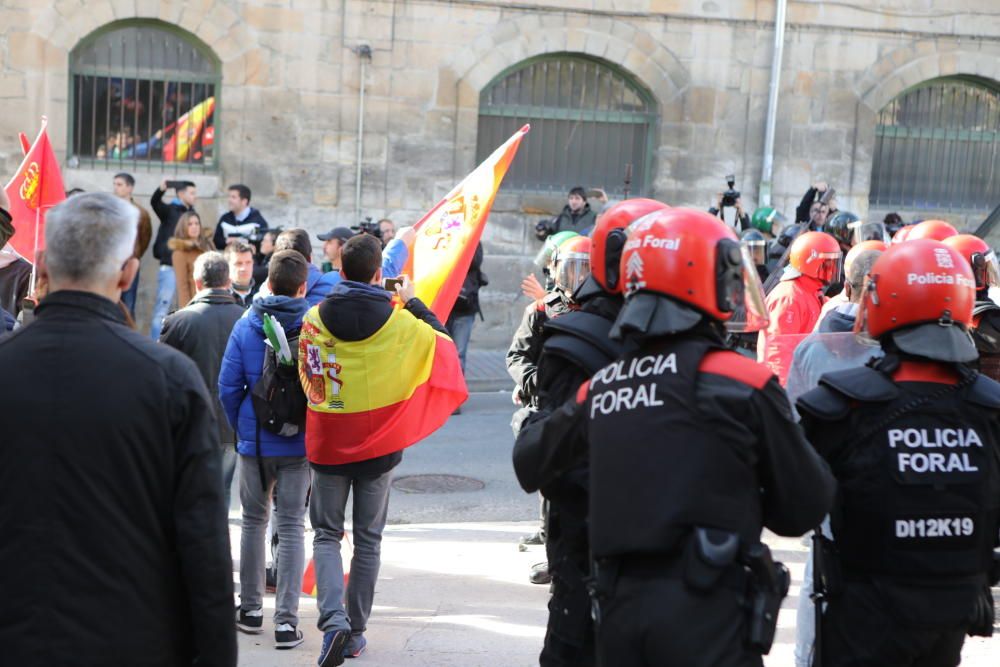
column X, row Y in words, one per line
column 288, row 107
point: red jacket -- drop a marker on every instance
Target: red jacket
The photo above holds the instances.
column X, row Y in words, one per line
column 794, row 307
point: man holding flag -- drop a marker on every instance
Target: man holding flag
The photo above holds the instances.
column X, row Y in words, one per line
column 377, row 380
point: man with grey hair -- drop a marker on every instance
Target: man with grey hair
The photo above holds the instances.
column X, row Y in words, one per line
column 201, row 330
column 110, row 485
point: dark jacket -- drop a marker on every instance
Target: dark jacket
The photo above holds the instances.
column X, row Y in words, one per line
column 802, row 210
column 581, row 222
column 7, row 321
column 241, row 368
column 201, row 331
column 168, row 215
column 526, row 346
column 115, row 545
column 229, row 218
column 467, row 302
column 355, row 311
column 15, row 279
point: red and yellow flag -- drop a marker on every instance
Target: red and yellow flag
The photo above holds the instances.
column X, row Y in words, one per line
column 37, row 185
column 448, row 234
column 188, row 129
column 379, row 395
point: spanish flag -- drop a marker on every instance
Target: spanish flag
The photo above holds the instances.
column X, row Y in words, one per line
column 188, row 130
column 448, row 234
column 376, row 396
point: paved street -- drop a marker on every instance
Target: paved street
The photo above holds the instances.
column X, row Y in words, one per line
column 453, row 589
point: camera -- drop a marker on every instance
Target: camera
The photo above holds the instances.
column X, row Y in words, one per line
column 366, row 226
column 730, row 196
column 544, row 228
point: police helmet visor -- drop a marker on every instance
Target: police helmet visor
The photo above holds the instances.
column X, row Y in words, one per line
column 752, row 316
column 868, row 231
column 544, row 257
column 572, row 270
column 831, row 267
column 986, row 269
column 757, row 250
column 778, row 222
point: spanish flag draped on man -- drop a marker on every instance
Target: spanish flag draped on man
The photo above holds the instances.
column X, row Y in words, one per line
column 379, row 395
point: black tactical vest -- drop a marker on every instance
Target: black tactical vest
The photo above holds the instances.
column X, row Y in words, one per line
column 657, row 466
column 918, row 496
column 582, row 339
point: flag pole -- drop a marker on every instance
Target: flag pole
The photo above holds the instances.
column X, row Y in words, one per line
column 34, row 258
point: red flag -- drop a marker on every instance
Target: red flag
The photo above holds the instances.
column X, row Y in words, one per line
column 37, row 186
column 25, row 144
column 448, row 234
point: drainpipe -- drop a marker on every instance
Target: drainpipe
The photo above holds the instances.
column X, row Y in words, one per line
column 365, row 54
column 767, row 169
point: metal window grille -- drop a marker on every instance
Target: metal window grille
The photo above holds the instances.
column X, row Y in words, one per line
column 143, row 94
column 937, row 147
column 588, row 120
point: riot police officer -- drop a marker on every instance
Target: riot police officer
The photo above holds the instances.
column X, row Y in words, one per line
column 986, row 313
column 692, row 450
column 913, row 441
column 575, row 347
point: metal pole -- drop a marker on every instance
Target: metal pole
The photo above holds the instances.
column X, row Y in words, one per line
column 365, row 53
column 767, row 169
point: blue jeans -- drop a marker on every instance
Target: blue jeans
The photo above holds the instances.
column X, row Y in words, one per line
column 326, row 510
column 129, row 295
column 460, row 328
column 166, row 285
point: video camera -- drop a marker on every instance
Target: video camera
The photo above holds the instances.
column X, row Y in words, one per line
column 730, row 196
column 366, row 226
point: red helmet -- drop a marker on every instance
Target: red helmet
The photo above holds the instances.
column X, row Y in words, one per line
column 816, row 254
column 860, row 248
column 902, row 233
column 922, row 292
column 608, row 238
column 571, row 263
column 694, row 259
column 937, row 230
column 980, row 257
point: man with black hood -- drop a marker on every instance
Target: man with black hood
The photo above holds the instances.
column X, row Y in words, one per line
column 574, row 347
column 692, row 450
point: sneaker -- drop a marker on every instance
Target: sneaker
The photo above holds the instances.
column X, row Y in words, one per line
column 287, row 635
column 535, row 539
column 356, row 646
column 332, row 653
column 540, row 574
column 250, row 621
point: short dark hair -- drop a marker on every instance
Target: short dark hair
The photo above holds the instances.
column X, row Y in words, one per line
column 295, row 239
column 361, row 258
column 243, row 191
column 211, row 269
column 578, row 191
column 237, row 247
column 125, row 176
column 287, row 272
column 184, row 185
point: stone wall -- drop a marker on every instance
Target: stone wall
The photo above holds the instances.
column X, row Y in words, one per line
column 289, row 103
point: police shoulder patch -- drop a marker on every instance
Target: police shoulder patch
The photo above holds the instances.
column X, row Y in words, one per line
column 736, row 367
column 985, row 392
column 862, row 384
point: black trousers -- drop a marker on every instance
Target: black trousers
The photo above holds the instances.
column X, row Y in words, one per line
column 569, row 636
column 860, row 630
column 658, row 622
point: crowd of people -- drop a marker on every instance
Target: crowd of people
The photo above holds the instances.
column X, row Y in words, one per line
column 685, row 382
column 261, row 368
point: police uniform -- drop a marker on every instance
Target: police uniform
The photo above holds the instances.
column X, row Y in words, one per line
column 986, row 336
column 699, row 436
column 576, row 345
column 913, row 445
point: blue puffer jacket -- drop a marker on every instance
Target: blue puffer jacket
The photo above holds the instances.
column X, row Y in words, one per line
column 319, row 284
column 241, row 368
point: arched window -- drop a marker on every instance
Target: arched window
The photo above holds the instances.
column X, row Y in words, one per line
column 143, row 92
column 937, row 146
column 588, row 121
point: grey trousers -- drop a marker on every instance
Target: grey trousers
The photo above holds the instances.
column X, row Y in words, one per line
column 326, row 511
column 291, row 473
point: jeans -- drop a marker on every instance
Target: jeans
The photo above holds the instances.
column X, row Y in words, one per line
column 129, row 295
column 229, row 457
column 326, row 510
column 166, row 285
column 460, row 328
column 291, row 474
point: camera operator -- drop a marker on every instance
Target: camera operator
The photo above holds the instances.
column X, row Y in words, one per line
column 731, row 199
column 576, row 216
column 818, row 192
column 240, row 221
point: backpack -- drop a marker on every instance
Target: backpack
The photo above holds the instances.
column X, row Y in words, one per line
column 279, row 403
